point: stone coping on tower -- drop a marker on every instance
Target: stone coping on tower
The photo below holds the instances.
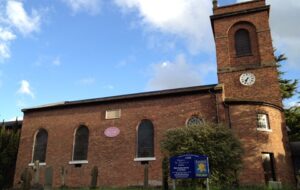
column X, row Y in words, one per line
column 239, row 7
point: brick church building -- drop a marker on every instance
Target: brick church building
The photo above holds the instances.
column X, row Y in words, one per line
column 117, row 133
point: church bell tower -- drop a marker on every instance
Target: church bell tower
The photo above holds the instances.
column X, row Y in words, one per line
column 251, row 93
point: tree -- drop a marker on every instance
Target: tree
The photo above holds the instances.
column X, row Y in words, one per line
column 9, row 142
column 292, row 116
column 288, row 89
column 214, row 140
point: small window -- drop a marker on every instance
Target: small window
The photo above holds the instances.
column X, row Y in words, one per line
column 145, row 141
column 81, row 143
column 263, row 121
column 242, row 43
column 194, row 121
column 40, row 146
column 268, row 166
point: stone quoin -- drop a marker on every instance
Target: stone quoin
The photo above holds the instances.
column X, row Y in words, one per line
column 71, row 135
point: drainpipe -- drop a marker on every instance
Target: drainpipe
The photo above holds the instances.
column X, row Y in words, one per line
column 228, row 114
column 216, row 104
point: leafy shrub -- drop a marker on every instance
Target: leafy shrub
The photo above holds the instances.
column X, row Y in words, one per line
column 214, row 140
column 9, row 142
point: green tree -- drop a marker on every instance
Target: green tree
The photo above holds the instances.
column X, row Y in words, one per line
column 9, row 142
column 292, row 116
column 214, row 140
column 288, row 88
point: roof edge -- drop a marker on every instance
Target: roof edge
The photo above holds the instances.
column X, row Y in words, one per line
column 210, row 88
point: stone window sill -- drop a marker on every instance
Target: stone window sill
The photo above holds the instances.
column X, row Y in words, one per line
column 265, row 130
column 79, row 162
column 40, row 164
column 144, row 159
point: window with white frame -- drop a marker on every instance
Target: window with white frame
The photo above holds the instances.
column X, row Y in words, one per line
column 263, row 121
column 40, row 146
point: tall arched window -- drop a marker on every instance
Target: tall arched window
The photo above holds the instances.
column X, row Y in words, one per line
column 145, row 141
column 242, row 42
column 81, row 143
column 40, row 146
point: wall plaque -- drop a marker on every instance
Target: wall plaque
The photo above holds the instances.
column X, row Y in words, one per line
column 112, row 132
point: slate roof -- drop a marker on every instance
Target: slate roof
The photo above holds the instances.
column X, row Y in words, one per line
column 152, row 94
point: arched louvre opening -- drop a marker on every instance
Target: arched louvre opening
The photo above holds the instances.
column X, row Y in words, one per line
column 40, row 146
column 145, row 141
column 242, row 42
column 81, row 143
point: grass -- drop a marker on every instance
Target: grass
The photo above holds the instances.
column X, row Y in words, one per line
column 180, row 188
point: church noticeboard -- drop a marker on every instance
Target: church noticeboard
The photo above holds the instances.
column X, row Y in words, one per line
column 189, row 166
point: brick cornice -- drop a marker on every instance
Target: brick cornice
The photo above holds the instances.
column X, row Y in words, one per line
column 246, row 67
column 230, row 101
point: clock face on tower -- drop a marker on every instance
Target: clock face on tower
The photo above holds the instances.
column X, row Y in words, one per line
column 247, row 79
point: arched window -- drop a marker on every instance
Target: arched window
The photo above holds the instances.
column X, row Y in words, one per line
column 81, row 143
column 194, row 121
column 145, row 141
column 40, row 146
column 242, row 42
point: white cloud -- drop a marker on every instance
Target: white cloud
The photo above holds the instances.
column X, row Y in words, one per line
column 285, row 28
column 109, row 87
column 166, row 75
column 90, row 6
column 56, row 61
column 87, row 81
column 6, row 35
column 13, row 18
column 25, row 89
column 128, row 60
column 187, row 19
column 4, row 51
column 20, row 19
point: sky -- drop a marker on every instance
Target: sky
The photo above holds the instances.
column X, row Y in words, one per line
column 63, row 50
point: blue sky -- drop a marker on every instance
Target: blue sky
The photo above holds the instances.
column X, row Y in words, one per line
column 58, row 50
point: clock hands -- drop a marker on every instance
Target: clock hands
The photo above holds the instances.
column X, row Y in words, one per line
column 247, row 79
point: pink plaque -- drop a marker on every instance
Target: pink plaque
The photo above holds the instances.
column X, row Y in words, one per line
column 112, row 132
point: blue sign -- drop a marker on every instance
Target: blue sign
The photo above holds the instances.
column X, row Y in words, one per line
column 189, row 166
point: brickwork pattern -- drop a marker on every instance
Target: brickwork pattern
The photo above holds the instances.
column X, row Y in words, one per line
column 255, row 142
column 113, row 156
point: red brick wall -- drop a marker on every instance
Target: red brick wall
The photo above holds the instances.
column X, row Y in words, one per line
column 255, row 142
column 261, row 63
column 113, row 156
column 223, row 39
column 266, row 89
